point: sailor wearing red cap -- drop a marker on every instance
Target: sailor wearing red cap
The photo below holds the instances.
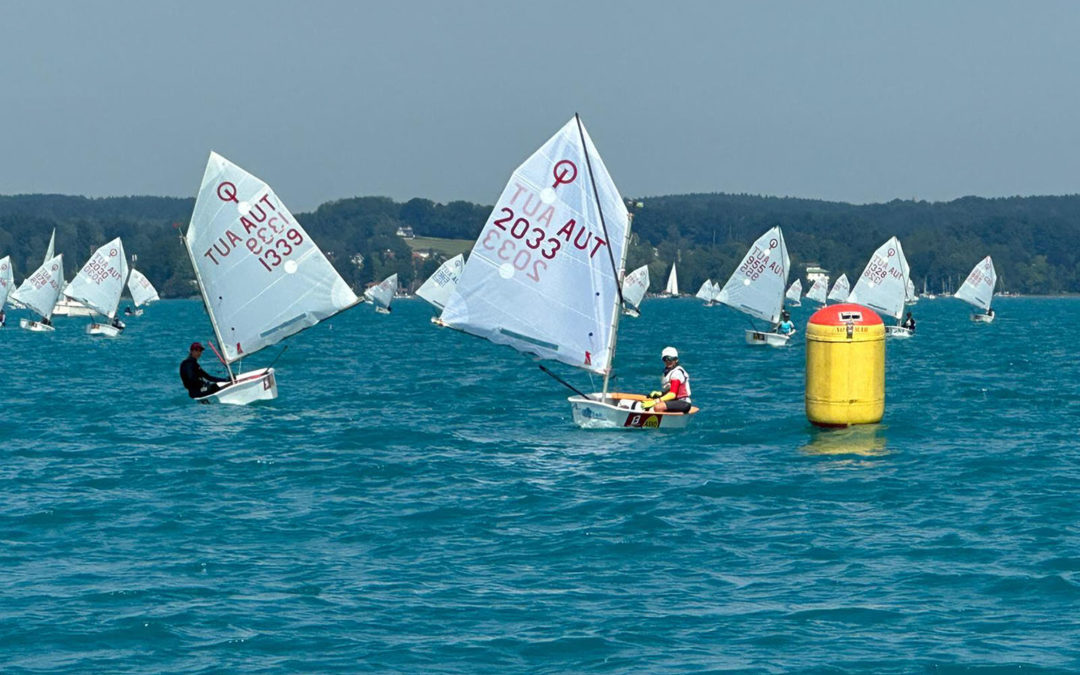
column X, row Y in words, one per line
column 197, row 381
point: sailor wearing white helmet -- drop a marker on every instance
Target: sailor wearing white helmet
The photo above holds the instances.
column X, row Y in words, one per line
column 674, row 393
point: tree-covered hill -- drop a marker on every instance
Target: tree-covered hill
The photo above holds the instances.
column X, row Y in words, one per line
column 1033, row 240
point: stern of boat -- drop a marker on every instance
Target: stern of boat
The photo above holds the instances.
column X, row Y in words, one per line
column 35, row 326
column 102, row 330
column 623, row 411
column 256, row 385
column 898, row 332
column 761, row 338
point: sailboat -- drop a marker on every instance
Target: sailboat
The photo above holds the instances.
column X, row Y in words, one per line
column 141, row 290
column 925, row 293
column 840, row 290
column 437, row 288
column 39, row 291
column 545, row 274
column 883, row 285
column 910, row 296
column 756, row 287
column 672, row 287
column 7, row 283
column 382, row 294
column 978, row 290
column 818, row 290
column 706, row 292
column 98, row 285
column 794, row 294
column 261, row 276
column 633, row 290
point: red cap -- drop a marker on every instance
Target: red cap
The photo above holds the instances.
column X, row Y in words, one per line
column 195, row 345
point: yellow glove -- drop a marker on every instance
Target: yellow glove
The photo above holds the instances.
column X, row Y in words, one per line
column 648, row 403
column 668, row 396
column 655, row 394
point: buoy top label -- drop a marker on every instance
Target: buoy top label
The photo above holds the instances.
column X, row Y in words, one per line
column 844, row 313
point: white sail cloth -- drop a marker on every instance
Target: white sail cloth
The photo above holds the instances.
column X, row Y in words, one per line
column 794, row 292
column 707, row 291
column 541, row 277
column 818, row 290
column 49, row 253
column 100, row 282
column 840, row 290
column 883, row 283
column 7, row 279
column 438, row 287
column 757, row 285
column 142, row 291
column 672, row 287
column 40, row 290
column 263, row 277
column 635, row 286
column 382, row 293
column 978, row 288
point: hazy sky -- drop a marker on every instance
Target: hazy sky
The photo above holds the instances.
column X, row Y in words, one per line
column 853, row 101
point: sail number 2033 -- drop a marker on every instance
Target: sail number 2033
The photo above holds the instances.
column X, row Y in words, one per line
column 505, row 236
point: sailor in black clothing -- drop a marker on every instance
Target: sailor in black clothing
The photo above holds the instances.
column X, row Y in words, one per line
column 909, row 323
column 197, row 381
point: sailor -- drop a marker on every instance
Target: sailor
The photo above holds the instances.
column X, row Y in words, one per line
column 785, row 327
column 118, row 324
column 129, row 311
column 909, row 323
column 3, row 317
column 197, row 381
column 674, row 394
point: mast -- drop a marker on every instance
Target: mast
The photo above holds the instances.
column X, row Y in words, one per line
column 206, row 303
column 618, row 308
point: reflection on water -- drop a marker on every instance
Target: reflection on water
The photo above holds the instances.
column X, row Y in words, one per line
column 867, row 440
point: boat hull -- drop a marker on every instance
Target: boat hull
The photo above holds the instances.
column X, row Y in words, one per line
column 102, row 330
column 71, row 308
column 898, row 332
column 35, row 326
column 761, row 338
column 608, row 414
column 631, row 311
column 982, row 318
column 256, row 385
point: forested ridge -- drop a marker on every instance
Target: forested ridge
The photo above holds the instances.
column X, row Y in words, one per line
column 1033, row 240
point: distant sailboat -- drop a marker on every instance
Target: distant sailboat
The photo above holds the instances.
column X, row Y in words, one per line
column 840, row 290
column 634, row 288
column 978, row 290
column 672, row 287
column 925, row 293
column 883, row 285
column 141, row 290
column 550, row 284
column 382, row 294
column 39, row 292
column 261, row 276
column 707, row 292
column 99, row 284
column 7, row 283
column 794, row 294
column 817, row 291
column 437, row 288
column 756, row 287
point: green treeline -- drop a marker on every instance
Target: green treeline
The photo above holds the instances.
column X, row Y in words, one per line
column 1033, row 240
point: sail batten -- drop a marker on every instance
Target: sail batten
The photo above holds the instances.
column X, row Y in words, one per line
column 539, row 278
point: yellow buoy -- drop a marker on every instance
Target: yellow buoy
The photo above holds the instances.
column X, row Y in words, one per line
column 845, row 366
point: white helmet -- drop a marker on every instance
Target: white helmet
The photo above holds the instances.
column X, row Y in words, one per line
column 669, row 352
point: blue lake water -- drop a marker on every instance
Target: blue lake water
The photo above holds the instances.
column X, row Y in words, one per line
column 418, row 500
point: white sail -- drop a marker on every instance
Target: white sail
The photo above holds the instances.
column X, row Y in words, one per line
column 840, row 289
column 817, row 290
column 707, row 291
column 49, row 254
column 635, row 285
column 756, row 287
column 142, row 291
column 978, row 288
column 382, row 293
column 910, row 295
column 440, row 285
column 40, row 290
column 543, row 277
column 7, row 279
column 672, row 287
column 794, row 292
column 100, row 282
column 883, row 284
column 262, row 276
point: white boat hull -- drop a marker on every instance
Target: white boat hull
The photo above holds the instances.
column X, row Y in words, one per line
column 382, row 310
column 608, row 414
column 35, row 326
column 103, row 330
column 631, row 311
column 982, row 318
column 898, row 332
column 129, row 312
column 761, row 338
column 256, row 385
